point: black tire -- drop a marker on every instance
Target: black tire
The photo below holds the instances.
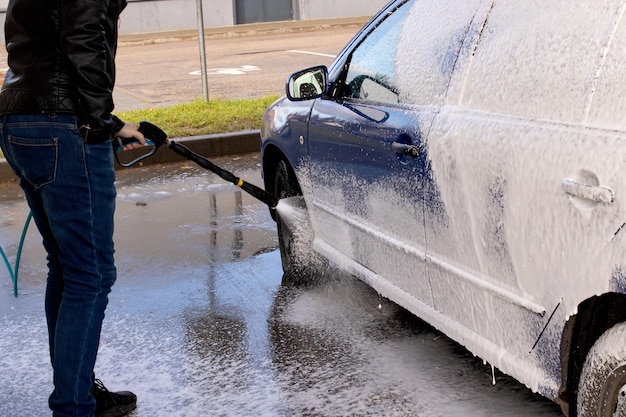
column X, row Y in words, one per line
column 603, row 378
column 300, row 263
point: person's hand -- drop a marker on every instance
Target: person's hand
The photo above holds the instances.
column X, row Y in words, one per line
column 131, row 131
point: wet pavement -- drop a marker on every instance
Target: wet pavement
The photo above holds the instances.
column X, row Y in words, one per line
column 200, row 325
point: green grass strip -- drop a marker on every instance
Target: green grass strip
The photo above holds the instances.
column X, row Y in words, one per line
column 200, row 117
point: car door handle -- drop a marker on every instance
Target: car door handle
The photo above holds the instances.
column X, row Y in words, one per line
column 406, row 149
column 597, row 193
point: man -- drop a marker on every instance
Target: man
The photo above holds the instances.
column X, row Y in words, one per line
column 55, row 132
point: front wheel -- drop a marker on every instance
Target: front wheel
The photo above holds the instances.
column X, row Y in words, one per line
column 602, row 387
column 295, row 236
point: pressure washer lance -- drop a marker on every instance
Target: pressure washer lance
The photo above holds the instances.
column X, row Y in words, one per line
column 156, row 137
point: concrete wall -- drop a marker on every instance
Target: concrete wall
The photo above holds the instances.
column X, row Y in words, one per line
column 143, row 16
column 167, row 15
column 324, row 9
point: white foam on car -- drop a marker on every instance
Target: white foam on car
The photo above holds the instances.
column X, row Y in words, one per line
column 508, row 221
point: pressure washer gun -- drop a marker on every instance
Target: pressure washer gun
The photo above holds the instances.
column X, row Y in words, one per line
column 156, row 137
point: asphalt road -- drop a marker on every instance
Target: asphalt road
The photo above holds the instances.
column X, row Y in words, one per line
column 244, row 61
column 164, row 70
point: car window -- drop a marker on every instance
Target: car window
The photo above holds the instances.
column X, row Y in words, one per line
column 429, row 48
column 409, row 58
column 371, row 72
column 538, row 59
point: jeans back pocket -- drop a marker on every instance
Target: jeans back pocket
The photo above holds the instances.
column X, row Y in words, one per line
column 35, row 158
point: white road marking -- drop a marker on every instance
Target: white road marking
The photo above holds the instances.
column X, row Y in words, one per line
column 311, row 53
column 229, row 71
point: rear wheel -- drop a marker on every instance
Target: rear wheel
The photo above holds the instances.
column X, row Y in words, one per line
column 295, row 237
column 602, row 388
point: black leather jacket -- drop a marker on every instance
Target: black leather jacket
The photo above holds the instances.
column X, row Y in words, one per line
column 61, row 60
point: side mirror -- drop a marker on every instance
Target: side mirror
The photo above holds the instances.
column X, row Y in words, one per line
column 307, row 84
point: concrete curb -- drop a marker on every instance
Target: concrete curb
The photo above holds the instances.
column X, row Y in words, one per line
column 210, row 146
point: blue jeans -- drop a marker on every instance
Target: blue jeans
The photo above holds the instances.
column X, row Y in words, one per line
column 69, row 186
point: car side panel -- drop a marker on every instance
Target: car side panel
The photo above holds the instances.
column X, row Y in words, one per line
column 539, row 251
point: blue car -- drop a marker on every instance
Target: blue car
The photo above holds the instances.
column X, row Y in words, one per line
column 468, row 161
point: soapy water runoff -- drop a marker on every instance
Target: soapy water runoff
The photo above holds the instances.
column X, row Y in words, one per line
column 199, row 324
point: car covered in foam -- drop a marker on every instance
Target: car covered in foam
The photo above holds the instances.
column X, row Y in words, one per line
column 467, row 159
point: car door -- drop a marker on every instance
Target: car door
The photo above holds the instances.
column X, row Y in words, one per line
column 532, row 193
column 368, row 171
column 365, row 166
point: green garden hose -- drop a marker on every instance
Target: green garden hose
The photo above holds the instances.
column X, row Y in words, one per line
column 14, row 271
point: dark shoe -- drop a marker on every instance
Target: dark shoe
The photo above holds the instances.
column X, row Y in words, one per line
column 112, row 404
